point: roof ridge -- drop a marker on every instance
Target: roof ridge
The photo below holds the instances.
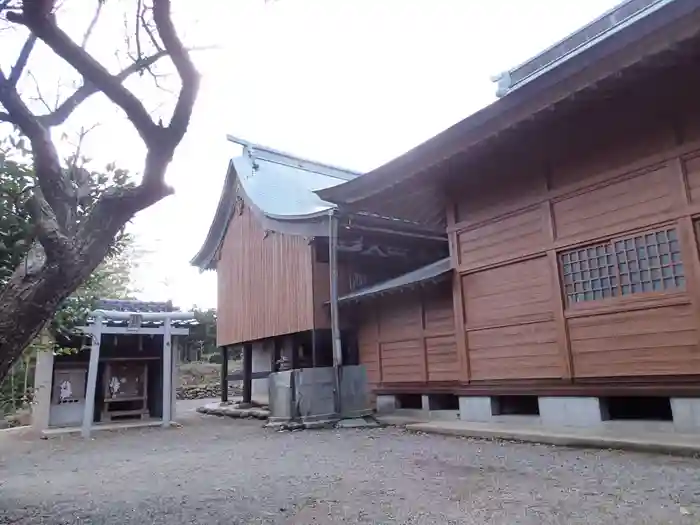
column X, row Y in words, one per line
column 287, row 159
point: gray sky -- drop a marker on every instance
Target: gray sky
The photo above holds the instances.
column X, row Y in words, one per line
column 349, row 82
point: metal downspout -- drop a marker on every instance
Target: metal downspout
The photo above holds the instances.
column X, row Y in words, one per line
column 335, row 325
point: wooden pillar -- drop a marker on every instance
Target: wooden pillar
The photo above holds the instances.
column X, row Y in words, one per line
column 276, row 353
column 313, row 349
column 167, row 372
column 247, row 373
column 89, row 413
column 224, row 374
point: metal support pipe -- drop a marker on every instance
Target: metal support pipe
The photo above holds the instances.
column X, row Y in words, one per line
column 335, row 324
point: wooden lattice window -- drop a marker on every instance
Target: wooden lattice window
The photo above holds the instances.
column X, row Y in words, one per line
column 650, row 262
column 646, row 262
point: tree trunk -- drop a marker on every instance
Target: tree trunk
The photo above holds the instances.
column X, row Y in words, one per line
column 30, row 298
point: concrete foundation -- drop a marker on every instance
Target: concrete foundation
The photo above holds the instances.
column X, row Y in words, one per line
column 281, row 396
column 308, row 394
column 262, row 362
column 570, row 411
column 386, row 404
column 354, row 393
column 686, row 413
column 315, row 394
column 475, row 409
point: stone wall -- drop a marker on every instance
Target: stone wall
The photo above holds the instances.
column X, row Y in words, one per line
column 205, row 391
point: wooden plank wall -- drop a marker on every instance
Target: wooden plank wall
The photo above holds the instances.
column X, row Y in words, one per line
column 265, row 283
column 612, row 172
column 409, row 337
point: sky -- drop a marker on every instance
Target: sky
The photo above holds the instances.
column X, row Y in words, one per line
column 352, row 83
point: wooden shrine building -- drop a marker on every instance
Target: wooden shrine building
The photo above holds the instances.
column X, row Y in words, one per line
column 279, row 251
column 572, row 208
column 538, row 258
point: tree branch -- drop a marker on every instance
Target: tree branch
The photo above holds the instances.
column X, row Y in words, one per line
column 47, row 166
column 93, row 23
column 48, row 231
column 63, row 111
column 4, row 117
column 22, row 59
column 189, row 76
column 43, row 25
column 39, row 96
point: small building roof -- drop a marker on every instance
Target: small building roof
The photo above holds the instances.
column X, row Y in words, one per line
column 279, row 188
column 133, row 305
column 421, row 276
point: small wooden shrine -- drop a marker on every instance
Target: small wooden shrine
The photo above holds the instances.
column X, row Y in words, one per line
column 125, row 371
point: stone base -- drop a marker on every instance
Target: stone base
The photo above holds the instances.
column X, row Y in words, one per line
column 478, row 409
column 565, row 411
column 386, row 404
column 365, row 422
column 234, row 411
column 686, row 413
column 298, row 425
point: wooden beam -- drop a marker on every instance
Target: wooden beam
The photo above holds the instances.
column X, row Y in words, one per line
column 240, row 375
column 558, row 296
column 461, row 340
column 247, row 372
column 224, row 374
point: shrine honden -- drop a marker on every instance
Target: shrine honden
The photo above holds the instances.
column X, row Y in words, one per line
column 127, row 373
column 539, row 258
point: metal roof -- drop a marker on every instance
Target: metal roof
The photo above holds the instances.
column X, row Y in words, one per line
column 422, row 275
column 603, row 27
column 280, row 190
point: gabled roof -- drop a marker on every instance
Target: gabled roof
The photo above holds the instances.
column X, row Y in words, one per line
column 279, row 189
column 665, row 25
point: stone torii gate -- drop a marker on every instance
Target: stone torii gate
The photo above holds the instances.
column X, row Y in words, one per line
column 100, row 326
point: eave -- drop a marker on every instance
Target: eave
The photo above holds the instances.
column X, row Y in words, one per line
column 658, row 31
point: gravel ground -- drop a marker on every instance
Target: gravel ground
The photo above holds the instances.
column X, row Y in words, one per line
column 234, row 472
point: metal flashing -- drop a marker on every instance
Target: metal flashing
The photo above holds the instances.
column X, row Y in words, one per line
column 422, row 275
column 603, row 27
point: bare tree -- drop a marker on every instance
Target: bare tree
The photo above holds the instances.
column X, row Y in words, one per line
column 67, row 248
